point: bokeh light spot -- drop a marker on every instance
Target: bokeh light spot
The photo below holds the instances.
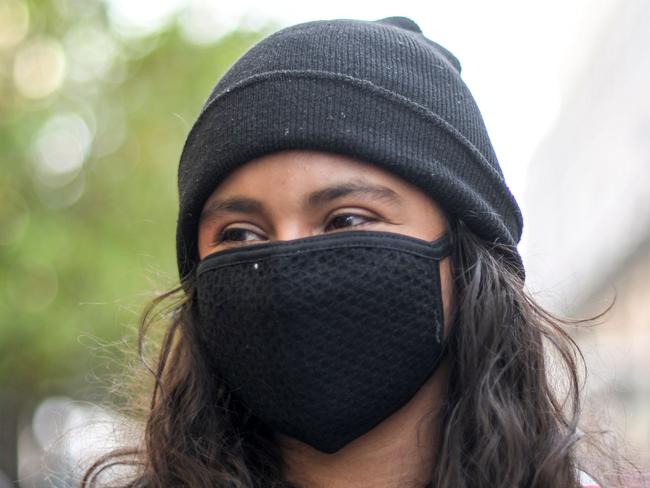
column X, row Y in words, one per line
column 39, row 68
column 90, row 53
column 141, row 18
column 14, row 23
column 202, row 23
column 61, row 148
column 49, row 420
column 63, row 196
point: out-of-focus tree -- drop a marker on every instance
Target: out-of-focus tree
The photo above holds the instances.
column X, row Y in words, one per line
column 92, row 122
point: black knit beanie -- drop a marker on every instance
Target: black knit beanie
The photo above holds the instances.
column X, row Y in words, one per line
column 377, row 91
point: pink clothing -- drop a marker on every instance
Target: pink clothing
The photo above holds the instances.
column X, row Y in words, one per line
column 587, row 481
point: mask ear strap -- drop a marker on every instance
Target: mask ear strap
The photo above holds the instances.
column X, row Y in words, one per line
column 442, row 246
column 448, row 339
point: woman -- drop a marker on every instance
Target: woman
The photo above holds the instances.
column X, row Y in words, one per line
column 351, row 309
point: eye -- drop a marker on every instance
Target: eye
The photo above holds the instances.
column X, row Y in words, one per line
column 236, row 234
column 348, row 220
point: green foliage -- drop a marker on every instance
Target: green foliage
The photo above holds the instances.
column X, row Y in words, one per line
column 83, row 248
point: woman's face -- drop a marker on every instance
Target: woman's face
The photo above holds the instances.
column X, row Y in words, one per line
column 296, row 193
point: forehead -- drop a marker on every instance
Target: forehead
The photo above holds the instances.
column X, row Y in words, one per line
column 300, row 171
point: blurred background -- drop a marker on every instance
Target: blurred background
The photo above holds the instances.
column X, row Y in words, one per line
column 96, row 98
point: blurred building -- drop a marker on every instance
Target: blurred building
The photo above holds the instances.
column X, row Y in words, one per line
column 588, row 219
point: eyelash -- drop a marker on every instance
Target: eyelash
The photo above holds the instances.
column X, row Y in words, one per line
column 223, row 235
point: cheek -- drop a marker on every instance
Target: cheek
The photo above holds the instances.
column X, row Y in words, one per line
column 446, row 281
column 205, row 238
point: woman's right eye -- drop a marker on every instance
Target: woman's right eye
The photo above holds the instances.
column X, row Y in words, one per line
column 236, row 234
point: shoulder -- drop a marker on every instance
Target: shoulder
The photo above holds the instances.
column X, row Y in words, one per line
column 587, row 481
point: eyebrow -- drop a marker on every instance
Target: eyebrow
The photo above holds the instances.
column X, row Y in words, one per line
column 357, row 188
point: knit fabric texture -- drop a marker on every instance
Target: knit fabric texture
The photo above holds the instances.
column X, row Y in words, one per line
column 379, row 91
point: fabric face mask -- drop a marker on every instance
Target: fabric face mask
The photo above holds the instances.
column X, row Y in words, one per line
column 324, row 337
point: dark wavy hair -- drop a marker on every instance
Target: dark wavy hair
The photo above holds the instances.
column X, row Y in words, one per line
column 510, row 417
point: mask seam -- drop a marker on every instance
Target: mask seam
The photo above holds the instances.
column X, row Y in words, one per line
column 214, row 266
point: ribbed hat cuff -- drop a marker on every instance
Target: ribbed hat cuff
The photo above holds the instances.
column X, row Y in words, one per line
column 336, row 113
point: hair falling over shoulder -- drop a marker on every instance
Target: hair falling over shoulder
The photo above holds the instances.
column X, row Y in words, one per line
column 510, row 418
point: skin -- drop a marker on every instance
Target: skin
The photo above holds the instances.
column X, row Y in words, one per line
column 266, row 200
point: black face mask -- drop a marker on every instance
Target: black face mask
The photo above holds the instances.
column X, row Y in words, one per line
column 324, row 337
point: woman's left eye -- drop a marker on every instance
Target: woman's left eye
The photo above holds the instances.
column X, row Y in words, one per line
column 347, row 220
